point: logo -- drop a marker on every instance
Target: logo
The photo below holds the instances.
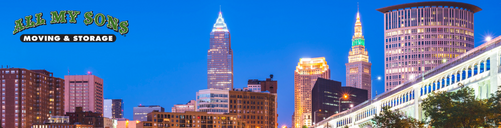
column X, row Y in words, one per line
column 61, row 17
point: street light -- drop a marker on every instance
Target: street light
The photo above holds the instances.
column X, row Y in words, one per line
column 378, row 78
column 345, row 96
column 488, row 38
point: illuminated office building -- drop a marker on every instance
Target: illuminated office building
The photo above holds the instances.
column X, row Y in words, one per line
column 220, row 57
column 306, row 74
column 358, row 68
column 420, row 36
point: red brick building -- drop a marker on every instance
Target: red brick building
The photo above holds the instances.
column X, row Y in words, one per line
column 29, row 97
column 86, row 117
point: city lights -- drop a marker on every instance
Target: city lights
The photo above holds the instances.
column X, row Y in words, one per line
column 426, row 50
column 488, row 38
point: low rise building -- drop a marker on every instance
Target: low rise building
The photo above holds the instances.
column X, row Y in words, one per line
column 256, row 109
column 190, row 106
column 190, row 119
column 62, row 126
column 256, row 85
column 109, row 123
column 86, row 117
column 213, row 101
column 58, row 120
column 141, row 111
column 125, row 123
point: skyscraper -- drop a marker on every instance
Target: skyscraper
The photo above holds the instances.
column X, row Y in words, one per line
column 220, row 57
column 29, row 97
column 305, row 76
column 358, row 68
column 420, row 36
column 84, row 91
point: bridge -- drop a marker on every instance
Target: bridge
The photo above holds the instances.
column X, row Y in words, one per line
column 478, row 68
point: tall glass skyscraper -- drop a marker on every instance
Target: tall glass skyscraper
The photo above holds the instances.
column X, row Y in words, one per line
column 220, row 57
column 420, row 36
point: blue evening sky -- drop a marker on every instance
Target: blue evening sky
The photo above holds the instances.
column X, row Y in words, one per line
column 163, row 58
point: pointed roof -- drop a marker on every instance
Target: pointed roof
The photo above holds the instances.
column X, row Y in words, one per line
column 358, row 27
column 358, row 38
column 220, row 25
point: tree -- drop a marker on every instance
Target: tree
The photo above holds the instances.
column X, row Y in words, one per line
column 394, row 119
column 304, row 126
column 458, row 109
column 495, row 109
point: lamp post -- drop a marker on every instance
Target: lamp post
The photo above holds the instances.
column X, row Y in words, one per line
column 378, row 78
column 345, row 96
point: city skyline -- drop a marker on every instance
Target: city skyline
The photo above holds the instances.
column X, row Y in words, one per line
column 187, row 72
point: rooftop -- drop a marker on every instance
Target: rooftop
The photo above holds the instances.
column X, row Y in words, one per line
column 470, row 7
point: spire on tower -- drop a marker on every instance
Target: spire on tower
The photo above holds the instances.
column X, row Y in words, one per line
column 220, row 25
column 358, row 38
column 358, row 7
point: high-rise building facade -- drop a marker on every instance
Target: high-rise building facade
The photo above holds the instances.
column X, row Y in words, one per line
column 84, row 91
column 420, row 36
column 328, row 96
column 305, row 76
column 141, row 111
column 180, row 108
column 220, row 57
column 256, row 109
column 29, row 97
column 113, row 108
column 117, row 109
column 358, row 68
column 107, row 108
column 212, row 101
